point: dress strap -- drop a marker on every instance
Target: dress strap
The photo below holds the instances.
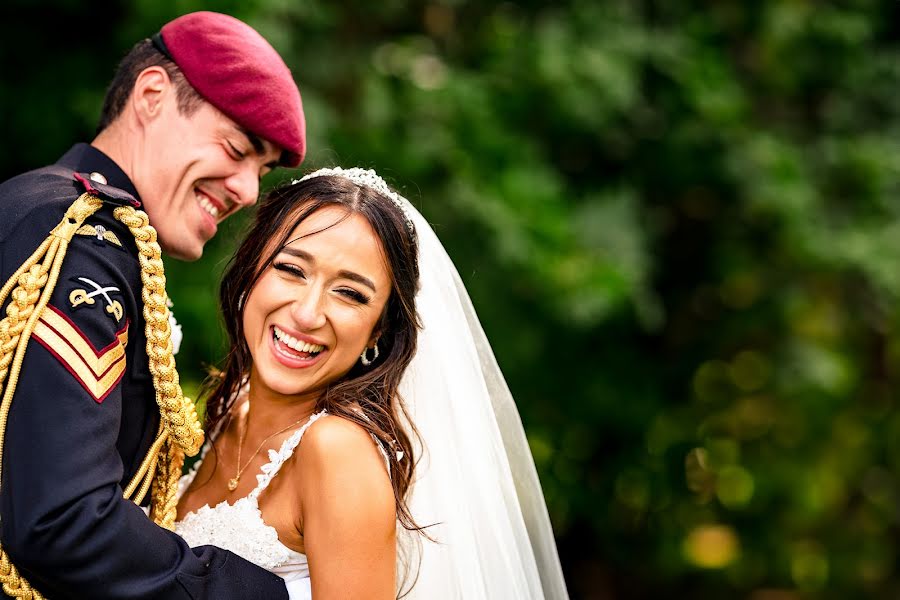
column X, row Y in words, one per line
column 276, row 459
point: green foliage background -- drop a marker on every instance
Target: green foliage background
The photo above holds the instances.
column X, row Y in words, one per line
column 680, row 224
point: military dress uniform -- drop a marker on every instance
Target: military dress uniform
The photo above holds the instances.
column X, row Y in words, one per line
column 84, row 412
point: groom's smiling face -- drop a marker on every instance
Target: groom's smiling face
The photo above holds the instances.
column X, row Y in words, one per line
column 204, row 168
column 317, row 306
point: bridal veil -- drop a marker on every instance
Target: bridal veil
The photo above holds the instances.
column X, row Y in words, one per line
column 475, row 480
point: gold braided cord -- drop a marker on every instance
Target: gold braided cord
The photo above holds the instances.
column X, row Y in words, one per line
column 27, row 304
column 37, row 277
column 24, row 297
column 33, row 259
column 177, row 412
column 164, row 505
column 150, row 477
column 145, row 471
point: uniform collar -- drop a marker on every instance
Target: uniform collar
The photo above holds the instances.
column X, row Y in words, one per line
column 84, row 158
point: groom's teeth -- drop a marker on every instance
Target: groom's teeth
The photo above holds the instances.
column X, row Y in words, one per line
column 294, row 343
column 208, row 206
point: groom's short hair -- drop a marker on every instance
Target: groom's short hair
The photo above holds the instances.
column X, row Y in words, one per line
column 142, row 56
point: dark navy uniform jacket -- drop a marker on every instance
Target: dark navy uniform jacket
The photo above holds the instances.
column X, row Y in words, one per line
column 84, row 413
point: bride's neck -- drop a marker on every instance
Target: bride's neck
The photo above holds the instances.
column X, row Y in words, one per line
column 266, row 410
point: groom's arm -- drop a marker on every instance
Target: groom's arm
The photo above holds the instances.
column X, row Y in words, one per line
column 65, row 524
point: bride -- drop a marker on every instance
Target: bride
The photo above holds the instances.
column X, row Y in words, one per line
column 362, row 440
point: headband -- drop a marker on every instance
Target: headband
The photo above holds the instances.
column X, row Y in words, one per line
column 370, row 179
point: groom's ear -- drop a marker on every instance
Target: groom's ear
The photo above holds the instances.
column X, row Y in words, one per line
column 150, row 89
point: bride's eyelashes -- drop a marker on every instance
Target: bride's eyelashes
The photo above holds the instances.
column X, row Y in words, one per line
column 296, row 271
column 289, row 268
column 354, row 295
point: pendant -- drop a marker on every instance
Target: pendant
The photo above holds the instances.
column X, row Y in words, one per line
column 232, row 484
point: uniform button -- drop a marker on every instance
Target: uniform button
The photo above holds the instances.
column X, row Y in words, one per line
column 98, row 177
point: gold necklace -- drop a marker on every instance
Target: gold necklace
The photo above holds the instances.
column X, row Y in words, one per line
column 233, row 482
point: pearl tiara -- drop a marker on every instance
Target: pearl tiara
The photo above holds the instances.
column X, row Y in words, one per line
column 371, row 180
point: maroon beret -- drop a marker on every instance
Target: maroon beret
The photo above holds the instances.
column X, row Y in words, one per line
column 236, row 70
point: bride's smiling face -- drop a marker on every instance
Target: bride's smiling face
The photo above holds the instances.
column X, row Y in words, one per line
column 318, row 305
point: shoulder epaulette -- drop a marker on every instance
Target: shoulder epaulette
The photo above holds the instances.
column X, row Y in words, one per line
column 106, row 192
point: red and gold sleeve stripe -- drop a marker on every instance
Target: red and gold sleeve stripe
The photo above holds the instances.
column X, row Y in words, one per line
column 98, row 371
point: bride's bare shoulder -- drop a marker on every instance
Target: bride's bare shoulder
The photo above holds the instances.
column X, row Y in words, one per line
column 341, row 475
column 334, row 443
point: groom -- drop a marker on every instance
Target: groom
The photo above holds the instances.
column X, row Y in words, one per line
column 191, row 121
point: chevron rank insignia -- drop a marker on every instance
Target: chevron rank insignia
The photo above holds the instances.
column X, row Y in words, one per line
column 98, row 371
column 99, row 233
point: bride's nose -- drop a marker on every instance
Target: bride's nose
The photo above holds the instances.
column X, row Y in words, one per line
column 307, row 309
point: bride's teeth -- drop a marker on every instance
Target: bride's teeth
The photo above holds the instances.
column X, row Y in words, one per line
column 295, row 344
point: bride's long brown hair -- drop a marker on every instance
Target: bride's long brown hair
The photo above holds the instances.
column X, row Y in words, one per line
column 373, row 389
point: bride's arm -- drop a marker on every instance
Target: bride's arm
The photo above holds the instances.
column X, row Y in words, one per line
column 348, row 512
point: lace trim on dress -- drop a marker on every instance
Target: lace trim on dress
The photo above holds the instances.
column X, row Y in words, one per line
column 238, row 527
column 277, row 459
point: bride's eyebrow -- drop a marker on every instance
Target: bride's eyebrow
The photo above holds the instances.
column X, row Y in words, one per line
column 296, row 252
column 352, row 276
column 357, row 278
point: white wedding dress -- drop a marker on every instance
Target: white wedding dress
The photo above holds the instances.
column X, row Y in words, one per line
column 239, row 527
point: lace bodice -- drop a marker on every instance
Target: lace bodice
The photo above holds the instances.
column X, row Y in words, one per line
column 239, row 527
